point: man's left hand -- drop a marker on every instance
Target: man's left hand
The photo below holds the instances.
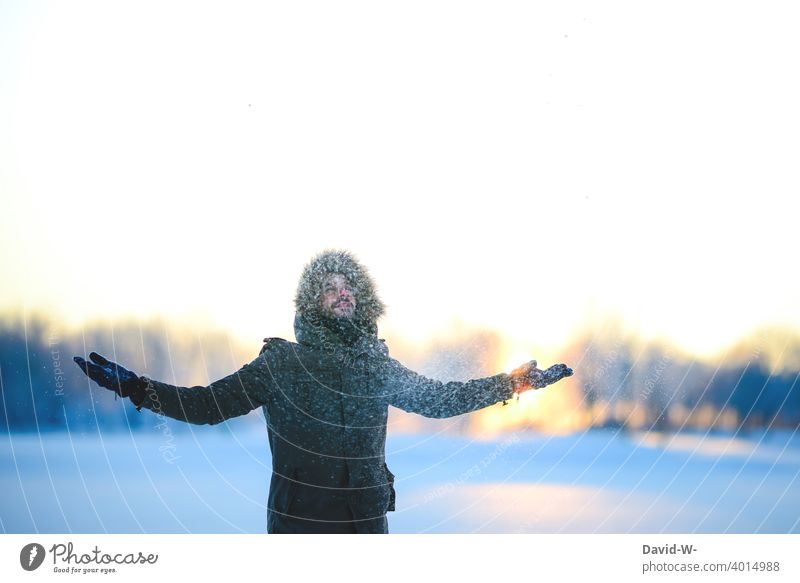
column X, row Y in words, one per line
column 528, row 376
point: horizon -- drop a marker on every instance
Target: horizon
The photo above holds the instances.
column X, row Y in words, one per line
column 612, row 326
column 620, row 379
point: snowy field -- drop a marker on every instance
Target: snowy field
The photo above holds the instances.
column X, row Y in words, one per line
column 215, row 480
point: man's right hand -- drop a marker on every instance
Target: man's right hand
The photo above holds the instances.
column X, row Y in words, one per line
column 112, row 376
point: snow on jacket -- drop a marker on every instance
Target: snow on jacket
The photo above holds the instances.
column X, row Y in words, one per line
column 325, row 399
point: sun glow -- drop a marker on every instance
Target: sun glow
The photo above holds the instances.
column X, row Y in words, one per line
column 554, row 409
column 198, row 183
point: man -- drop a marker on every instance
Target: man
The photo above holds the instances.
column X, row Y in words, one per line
column 326, row 399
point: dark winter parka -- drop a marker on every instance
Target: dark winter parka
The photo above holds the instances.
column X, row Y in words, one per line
column 325, row 399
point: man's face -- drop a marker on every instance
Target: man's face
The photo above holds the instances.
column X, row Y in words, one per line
column 336, row 298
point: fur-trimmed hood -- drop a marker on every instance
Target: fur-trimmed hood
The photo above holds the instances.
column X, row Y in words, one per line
column 369, row 307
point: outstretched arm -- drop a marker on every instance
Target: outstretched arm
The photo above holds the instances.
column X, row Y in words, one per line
column 415, row 393
column 234, row 395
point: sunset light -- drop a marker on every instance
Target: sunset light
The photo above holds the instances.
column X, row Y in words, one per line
column 267, row 266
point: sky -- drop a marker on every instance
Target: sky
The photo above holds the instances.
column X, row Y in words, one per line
column 529, row 169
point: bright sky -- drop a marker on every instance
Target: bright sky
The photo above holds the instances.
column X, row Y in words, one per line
column 527, row 167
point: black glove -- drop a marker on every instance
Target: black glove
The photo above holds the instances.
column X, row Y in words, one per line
column 112, row 376
column 529, row 377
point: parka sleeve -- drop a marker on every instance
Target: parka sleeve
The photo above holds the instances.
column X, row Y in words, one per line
column 412, row 392
column 236, row 394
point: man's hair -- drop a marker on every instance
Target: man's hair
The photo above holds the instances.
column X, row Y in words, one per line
column 369, row 306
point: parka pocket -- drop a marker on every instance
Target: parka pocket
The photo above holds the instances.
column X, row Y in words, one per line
column 283, row 490
column 390, row 482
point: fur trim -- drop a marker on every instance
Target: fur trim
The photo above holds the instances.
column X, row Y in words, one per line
column 369, row 307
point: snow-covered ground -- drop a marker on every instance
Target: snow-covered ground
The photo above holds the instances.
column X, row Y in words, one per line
column 597, row 481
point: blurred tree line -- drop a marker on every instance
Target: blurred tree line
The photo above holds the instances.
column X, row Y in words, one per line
column 646, row 386
column 620, row 381
column 43, row 389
